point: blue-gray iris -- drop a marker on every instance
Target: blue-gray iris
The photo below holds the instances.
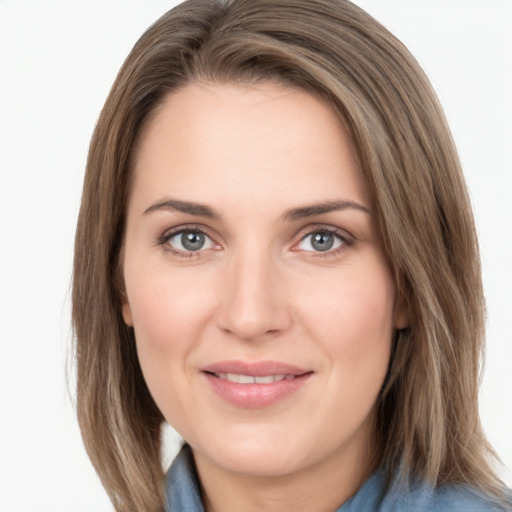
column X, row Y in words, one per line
column 322, row 241
column 192, row 241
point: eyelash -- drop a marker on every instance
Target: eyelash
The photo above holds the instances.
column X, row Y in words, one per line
column 168, row 235
column 346, row 240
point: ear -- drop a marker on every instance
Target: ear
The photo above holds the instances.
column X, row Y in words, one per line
column 402, row 317
column 123, row 297
column 126, row 310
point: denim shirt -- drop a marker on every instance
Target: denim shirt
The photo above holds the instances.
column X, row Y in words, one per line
column 183, row 495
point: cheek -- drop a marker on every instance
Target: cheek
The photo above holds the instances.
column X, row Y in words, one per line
column 352, row 319
column 166, row 303
column 169, row 311
column 351, row 305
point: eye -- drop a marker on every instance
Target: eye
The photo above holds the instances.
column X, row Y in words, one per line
column 322, row 241
column 189, row 240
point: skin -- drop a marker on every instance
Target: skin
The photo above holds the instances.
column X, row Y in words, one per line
column 258, row 290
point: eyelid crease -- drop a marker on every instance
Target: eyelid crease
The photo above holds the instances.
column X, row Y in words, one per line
column 322, row 228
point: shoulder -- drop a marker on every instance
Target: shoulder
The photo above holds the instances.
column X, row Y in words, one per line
column 450, row 498
column 462, row 498
column 423, row 497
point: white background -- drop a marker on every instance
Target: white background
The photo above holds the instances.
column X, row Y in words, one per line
column 57, row 61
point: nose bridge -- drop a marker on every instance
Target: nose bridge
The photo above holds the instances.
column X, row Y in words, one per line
column 253, row 296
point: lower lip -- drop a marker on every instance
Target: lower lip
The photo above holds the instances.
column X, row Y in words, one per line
column 255, row 396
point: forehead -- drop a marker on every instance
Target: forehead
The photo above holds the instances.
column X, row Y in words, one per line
column 224, row 142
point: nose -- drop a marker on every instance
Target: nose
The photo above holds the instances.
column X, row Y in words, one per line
column 253, row 301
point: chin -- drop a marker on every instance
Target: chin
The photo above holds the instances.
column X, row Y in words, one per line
column 256, row 453
column 259, row 463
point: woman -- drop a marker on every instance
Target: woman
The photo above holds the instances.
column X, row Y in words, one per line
column 276, row 254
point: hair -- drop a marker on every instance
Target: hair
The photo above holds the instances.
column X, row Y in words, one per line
column 428, row 423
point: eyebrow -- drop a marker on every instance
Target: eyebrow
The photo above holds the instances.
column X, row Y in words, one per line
column 302, row 212
column 324, row 207
column 197, row 209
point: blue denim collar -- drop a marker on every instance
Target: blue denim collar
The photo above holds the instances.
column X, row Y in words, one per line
column 183, row 494
column 181, row 484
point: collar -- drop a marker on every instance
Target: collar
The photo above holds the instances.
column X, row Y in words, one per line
column 183, row 493
column 182, row 485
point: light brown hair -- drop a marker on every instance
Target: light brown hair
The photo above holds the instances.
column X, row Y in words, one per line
column 428, row 421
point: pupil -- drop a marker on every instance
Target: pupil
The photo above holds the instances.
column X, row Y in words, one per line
column 322, row 241
column 192, row 241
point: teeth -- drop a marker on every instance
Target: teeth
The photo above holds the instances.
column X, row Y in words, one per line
column 268, row 379
column 249, row 379
column 241, row 379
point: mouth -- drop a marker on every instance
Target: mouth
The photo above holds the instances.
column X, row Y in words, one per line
column 254, row 385
column 251, row 379
column 225, row 369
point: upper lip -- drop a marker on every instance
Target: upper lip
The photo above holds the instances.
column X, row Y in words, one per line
column 255, row 369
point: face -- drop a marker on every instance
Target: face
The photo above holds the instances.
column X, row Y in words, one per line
column 262, row 303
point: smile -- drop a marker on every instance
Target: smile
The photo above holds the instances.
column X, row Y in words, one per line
column 254, row 385
column 250, row 379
